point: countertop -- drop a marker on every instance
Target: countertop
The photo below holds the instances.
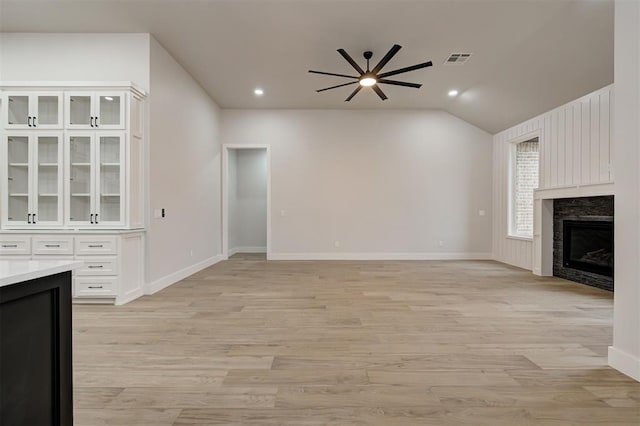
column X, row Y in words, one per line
column 70, row 231
column 16, row 271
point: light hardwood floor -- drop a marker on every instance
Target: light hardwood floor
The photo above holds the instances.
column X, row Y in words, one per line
column 250, row 342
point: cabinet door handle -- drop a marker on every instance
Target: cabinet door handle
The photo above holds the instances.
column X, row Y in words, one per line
column 52, row 245
column 34, row 122
column 96, row 121
column 9, row 246
column 91, row 120
column 95, row 246
column 91, row 220
column 28, row 217
column 33, row 220
column 29, row 121
column 96, row 218
column 95, row 286
column 95, row 266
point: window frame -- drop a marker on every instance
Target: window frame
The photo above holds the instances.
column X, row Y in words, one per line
column 513, row 143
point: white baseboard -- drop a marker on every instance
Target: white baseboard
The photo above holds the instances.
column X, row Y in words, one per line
column 517, row 265
column 247, row 250
column 624, row 363
column 380, row 256
column 173, row 278
column 130, row 296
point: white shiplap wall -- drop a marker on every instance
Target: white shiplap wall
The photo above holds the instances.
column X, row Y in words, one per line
column 575, row 149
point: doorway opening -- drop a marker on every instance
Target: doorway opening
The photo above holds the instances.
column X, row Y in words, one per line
column 246, row 201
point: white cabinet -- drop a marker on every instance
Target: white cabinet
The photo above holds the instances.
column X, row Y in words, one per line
column 95, row 110
column 32, row 179
column 113, row 263
column 32, row 110
column 86, row 175
column 95, row 179
column 72, row 184
column 14, row 246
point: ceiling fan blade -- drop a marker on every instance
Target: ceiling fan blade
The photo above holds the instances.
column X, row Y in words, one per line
column 390, row 54
column 334, row 74
column 355, row 92
column 339, row 85
column 349, row 59
column 400, row 83
column 407, row 69
column 379, row 92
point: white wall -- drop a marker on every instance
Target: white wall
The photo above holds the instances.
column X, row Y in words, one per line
column 75, row 57
column 624, row 355
column 184, row 173
column 232, row 200
column 247, row 200
column 385, row 184
column 575, row 149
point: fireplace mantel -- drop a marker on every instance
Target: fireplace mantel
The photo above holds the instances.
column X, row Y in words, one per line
column 543, row 219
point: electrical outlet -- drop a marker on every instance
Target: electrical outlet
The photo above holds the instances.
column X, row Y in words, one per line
column 481, row 213
column 441, row 243
column 282, row 212
column 336, row 244
column 191, row 252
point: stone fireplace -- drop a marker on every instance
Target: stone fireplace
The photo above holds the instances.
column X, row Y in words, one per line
column 586, row 213
column 583, row 240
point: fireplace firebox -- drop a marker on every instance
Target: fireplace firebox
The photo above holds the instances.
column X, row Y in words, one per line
column 588, row 246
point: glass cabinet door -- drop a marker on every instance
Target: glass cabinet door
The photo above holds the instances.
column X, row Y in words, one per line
column 18, row 111
column 28, row 110
column 18, row 180
column 48, row 179
column 80, row 179
column 110, row 110
column 79, row 110
column 48, row 113
column 110, row 182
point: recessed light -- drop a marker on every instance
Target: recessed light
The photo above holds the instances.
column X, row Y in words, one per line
column 258, row 92
column 453, row 93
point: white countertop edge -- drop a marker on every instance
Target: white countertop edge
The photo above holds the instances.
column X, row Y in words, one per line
column 17, row 271
column 70, row 231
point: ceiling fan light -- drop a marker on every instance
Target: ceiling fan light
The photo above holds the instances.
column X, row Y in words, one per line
column 367, row 81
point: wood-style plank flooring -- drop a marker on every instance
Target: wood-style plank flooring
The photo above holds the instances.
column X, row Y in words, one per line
column 250, row 342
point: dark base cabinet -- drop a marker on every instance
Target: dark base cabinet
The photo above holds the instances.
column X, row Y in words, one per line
column 35, row 352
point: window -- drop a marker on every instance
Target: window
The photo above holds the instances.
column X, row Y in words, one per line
column 525, row 180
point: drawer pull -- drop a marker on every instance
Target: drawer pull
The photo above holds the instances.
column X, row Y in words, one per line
column 95, row 266
column 9, row 246
column 95, row 286
column 52, row 245
column 95, row 246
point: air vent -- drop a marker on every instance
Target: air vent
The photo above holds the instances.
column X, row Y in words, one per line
column 457, row 58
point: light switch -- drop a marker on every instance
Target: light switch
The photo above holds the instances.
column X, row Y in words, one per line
column 157, row 213
column 481, row 213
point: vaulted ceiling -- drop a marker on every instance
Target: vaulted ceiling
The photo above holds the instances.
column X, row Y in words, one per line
column 527, row 56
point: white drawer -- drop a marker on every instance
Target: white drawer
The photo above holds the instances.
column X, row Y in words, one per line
column 98, row 265
column 15, row 245
column 90, row 246
column 53, row 245
column 94, row 287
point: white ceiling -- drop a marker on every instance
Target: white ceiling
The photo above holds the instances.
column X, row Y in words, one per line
column 528, row 56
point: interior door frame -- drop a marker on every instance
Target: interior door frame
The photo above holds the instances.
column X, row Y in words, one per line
column 225, row 194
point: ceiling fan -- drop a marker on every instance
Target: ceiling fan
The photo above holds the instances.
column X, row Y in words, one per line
column 372, row 78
